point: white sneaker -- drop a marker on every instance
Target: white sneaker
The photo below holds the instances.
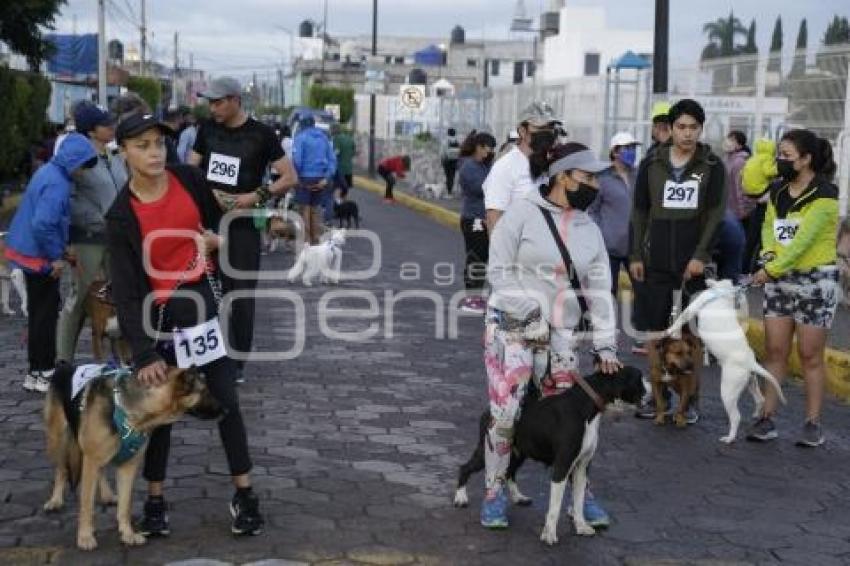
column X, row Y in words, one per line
column 30, row 381
column 42, row 381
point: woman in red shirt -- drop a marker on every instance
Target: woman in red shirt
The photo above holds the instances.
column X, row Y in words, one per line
column 391, row 167
column 157, row 228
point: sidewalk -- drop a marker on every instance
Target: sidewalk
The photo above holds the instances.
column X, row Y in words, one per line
column 356, row 448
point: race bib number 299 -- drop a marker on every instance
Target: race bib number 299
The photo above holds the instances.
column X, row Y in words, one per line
column 223, row 169
column 681, row 195
column 785, row 229
column 199, row 345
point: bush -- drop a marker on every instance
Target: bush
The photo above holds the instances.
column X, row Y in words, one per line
column 149, row 89
column 23, row 115
column 322, row 95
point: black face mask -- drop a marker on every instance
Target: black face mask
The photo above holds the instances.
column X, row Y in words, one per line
column 489, row 159
column 583, row 197
column 541, row 142
column 786, row 169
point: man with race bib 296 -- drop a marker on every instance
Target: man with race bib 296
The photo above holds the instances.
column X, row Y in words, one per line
column 679, row 202
column 234, row 151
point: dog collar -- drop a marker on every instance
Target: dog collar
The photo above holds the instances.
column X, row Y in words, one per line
column 594, row 396
column 131, row 441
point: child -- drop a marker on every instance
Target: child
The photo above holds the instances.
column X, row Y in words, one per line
column 389, row 168
column 37, row 243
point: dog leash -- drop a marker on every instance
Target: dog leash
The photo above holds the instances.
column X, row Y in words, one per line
column 215, row 286
column 594, row 396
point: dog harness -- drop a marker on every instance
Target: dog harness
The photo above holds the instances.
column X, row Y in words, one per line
column 131, row 441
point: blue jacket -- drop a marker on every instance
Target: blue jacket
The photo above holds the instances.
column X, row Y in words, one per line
column 313, row 154
column 38, row 234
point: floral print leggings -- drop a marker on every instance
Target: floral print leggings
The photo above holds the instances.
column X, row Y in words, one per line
column 511, row 362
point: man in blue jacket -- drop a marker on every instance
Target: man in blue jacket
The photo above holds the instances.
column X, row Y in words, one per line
column 37, row 243
column 315, row 162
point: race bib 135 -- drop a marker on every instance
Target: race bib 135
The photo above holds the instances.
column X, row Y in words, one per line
column 199, row 345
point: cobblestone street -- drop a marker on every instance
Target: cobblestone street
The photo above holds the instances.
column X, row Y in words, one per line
column 356, row 447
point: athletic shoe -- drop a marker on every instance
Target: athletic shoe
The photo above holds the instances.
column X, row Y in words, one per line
column 494, row 508
column 389, row 201
column 639, row 348
column 240, row 376
column 474, row 304
column 245, row 510
column 692, row 415
column 30, row 380
column 762, row 430
column 811, row 435
column 647, row 409
column 594, row 514
column 155, row 519
column 42, row 381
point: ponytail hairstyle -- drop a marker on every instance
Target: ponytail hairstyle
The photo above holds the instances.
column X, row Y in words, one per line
column 467, row 147
column 807, row 143
column 558, row 152
column 475, row 140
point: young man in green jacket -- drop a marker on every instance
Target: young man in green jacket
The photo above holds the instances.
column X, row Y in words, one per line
column 680, row 198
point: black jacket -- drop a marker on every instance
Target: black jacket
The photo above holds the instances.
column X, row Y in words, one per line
column 130, row 284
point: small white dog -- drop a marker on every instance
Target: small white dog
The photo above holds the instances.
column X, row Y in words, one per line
column 324, row 259
column 10, row 278
column 718, row 327
column 430, row 191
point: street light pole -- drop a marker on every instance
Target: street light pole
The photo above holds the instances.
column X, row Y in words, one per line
column 660, row 48
column 372, row 99
column 101, row 53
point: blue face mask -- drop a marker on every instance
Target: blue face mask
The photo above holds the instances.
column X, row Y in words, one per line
column 628, row 155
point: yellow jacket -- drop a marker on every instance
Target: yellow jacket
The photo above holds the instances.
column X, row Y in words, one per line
column 760, row 169
column 800, row 232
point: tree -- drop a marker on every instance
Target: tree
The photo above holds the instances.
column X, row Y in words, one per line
column 837, row 32
column 747, row 68
column 799, row 66
column 21, row 25
column 722, row 34
column 774, row 63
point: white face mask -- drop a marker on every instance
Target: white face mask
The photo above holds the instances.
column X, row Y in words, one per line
column 729, row 146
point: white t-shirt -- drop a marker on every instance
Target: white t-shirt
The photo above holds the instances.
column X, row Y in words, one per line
column 509, row 180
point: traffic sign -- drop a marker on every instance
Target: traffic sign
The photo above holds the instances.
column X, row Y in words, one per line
column 413, row 97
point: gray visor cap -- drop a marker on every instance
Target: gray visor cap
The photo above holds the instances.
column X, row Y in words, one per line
column 584, row 160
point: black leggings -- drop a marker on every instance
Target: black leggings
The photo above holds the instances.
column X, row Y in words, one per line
column 220, row 374
column 243, row 247
column 477, row 245
column 43, row 309
column 389, row 178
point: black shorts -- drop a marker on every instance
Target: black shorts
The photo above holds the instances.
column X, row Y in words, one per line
column 657, row 296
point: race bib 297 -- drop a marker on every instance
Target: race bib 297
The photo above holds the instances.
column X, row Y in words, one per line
column 681, row 195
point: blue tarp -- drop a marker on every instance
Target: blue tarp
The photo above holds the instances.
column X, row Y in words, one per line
column 74, row 55
column 630, row 60
column 431, row 55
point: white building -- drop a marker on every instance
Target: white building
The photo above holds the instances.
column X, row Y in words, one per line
column 585, row 45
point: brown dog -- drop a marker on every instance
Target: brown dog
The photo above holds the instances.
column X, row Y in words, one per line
column 677, row 367
column 104, row 323
column 82, row 440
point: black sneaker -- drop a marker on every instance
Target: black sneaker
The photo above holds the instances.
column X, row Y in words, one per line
column 240, row 376
column 647, row 409
column 245, row 510
column 763, row 430
column 155, row 520
column 811, row 435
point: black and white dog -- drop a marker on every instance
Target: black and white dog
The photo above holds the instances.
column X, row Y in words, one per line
column 561, row 431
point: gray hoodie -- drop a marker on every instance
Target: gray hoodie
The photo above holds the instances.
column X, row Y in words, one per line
column 92, row 195
column 526, row 271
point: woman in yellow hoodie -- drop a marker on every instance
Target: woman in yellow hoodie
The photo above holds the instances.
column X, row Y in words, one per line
column 800, row 277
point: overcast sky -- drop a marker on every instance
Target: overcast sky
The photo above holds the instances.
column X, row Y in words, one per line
column 239, row 36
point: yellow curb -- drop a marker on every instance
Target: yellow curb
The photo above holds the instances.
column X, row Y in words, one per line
column 435, row 212
column 837, row 361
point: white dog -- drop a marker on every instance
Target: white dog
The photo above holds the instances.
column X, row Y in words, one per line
column 718, row 327
column 10, row 278
column 324, row 259
column 430, row 191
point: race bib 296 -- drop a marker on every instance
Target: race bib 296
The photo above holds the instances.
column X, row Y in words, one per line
column 223, row 169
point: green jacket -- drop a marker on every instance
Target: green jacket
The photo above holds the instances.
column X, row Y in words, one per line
column 800, row 232
column 674, row 222
column 345, row 150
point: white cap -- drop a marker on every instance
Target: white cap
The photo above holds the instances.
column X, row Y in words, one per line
column 623, row 138
column 513, row 135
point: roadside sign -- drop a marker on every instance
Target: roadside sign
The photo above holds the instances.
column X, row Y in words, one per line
column 413, row 97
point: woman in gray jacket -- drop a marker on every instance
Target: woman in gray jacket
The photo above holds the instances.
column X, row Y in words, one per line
column 533, row 309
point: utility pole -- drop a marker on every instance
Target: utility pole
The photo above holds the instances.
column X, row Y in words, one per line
column 174, row 101
column 281, row 98
column 372, row 96
column 101, row 53
column 660, row 50
column 324, row 39
column 144, row 40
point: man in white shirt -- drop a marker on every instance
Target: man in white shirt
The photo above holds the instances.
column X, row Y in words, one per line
column 524, row 166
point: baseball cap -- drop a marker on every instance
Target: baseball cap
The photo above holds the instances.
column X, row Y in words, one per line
column 539, row 114
column 221, row 88
column 584, row 160
column 623, row 138
column 661, row 111
column 88, row 116
column 139, row 123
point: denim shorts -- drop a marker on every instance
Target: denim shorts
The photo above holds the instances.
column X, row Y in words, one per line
column 307, row 196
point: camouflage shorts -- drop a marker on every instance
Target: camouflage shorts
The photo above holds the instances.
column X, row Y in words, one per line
column 809, row 297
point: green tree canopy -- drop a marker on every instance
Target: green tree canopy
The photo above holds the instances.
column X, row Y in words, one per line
column 722, row 34
column 321, row 95
column 149, row 89
column 21, row 23
column 776, row 39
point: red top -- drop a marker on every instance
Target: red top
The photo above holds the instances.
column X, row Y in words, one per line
column 394, row 164
column 166, row 257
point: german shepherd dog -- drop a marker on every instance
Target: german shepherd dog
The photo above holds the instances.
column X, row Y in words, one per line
column 82, row 440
